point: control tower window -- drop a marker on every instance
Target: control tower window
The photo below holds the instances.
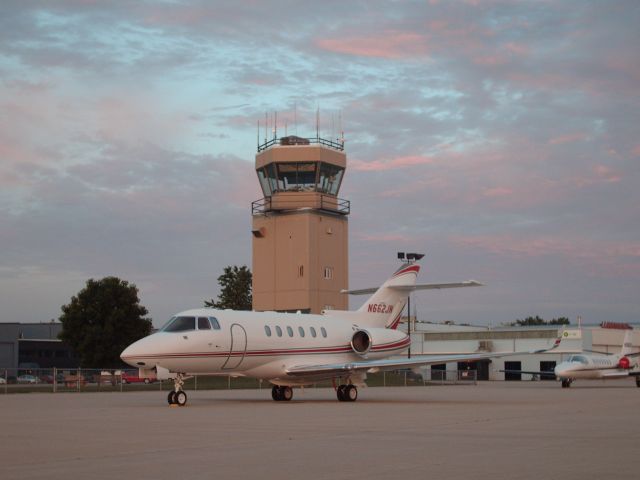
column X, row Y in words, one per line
column 264, row 182
column 330, row 178
column 297, row 176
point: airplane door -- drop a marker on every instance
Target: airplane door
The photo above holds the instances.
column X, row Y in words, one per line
column 238, row 347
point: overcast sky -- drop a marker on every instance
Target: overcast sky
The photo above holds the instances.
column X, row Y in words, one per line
column 499, row 138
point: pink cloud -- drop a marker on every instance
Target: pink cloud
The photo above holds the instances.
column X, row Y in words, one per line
column 394, row 163
column 494, row 192
column 390, row 44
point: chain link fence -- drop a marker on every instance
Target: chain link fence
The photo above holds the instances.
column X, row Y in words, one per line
column 54, row 380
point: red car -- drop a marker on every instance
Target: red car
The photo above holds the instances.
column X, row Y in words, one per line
column 133, row 377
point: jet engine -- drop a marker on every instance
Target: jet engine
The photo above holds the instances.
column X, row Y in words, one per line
column 361, row 342
column 624, row 363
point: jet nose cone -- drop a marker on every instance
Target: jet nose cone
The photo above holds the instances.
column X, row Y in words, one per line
column 561, row 369
column 131, row 354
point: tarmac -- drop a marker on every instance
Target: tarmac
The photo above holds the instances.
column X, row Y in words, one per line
column 495, row 430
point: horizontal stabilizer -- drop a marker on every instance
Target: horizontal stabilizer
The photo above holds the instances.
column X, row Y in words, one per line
column 410, row 288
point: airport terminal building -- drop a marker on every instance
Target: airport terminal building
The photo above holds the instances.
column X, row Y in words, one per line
column 34, row 345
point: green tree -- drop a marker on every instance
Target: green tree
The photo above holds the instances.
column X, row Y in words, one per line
column 235, row 292
column 102, row 320
column 533, row 321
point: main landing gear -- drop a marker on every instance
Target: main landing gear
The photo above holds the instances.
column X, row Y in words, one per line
column 638, row 382
column 177, row 396
column 281, row 394
column 347, row 393
column 566, row 382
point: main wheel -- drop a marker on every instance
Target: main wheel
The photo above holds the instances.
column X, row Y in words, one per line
column 566, row 383
column 340, row 392
column 276, row 394
column 350, row 393
column 286, row 393
column 171, row 398
column 181, row 398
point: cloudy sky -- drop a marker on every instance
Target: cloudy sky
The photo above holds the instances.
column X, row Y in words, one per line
column 498, row 137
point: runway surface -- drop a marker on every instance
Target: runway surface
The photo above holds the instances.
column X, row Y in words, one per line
column 496, row 430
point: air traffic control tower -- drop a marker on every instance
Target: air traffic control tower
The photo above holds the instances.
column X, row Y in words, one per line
column 300, row 228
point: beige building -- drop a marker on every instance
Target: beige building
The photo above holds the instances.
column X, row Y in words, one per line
column 300, row 228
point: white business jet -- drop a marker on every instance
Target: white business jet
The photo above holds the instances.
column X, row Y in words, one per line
column 289, row 349
column 601, row 367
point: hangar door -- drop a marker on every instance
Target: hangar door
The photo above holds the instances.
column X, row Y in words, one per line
column 547, row 367
column 510, row 376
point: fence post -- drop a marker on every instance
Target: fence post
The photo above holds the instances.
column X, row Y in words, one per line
column 55, row 379
column 6, row 381
column 229, row 382
column 384, row 379
column 78, row 373
column 405, row 378
column 195, row 382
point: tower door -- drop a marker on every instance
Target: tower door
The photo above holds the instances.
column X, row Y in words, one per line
column 238, row 347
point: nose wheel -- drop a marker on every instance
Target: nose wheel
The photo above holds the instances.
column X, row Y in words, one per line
column 566, row 382
column 177, row 396
column 281, row 394
column 347, row 393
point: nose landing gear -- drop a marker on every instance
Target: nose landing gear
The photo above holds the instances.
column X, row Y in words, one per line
column 177, row 396
column 566, row 382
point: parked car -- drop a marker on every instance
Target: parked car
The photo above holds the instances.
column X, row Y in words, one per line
column 49, row 378
column 2, row 381
column 27, row 379
column 133, row 377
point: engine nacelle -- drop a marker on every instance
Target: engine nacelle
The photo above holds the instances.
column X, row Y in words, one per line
column 378, row 342
column 361, row 342
column 624, row 363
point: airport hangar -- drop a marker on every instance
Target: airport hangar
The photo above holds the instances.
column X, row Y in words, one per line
column 435, row 338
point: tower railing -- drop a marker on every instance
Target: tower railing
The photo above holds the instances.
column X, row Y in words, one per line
column 327, row 203
column 292, row 140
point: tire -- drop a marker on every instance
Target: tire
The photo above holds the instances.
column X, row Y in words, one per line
column 637, row 381
column 286, row 394
column 340, row 392
column 171, row 398
column 350, row 393
column 275, row 393
column 181, row 398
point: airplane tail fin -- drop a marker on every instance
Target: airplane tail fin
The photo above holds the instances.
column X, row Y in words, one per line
column 384, row 307
column 627, row 343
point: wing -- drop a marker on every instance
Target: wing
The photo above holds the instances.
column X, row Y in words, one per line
column 548, row 373
column 424, row 286
column 372, row 366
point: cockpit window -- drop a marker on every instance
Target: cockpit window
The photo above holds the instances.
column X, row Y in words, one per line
column 578, row 359
column 203, row 323
column 214, row 323
column 180, row 324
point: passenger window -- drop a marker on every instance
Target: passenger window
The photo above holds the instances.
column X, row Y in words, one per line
column 313, row 332
column 301, row 331
column 214, row 323
column 203, row 323
column 324, row 332
column 267, row 330
column 290, row 331
column 278, row 331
